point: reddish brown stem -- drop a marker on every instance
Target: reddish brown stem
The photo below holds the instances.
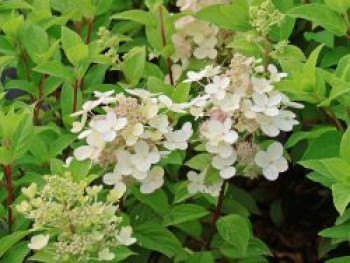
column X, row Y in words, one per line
column 90, row 24
column 25, row 64
column 8, row 175
column 216, row 215
column 266, row 53
column 164, row 43
column 334, row 120
column 78, row 27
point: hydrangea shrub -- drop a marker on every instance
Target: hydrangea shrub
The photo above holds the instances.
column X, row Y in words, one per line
column 141, row 130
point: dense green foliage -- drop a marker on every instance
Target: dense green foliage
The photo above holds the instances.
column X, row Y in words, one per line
column 91, row 89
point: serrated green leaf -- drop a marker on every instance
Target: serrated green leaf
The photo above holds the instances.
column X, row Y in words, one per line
column 157, row 238
column 235, row 230
column 54, row 68
column 199, row 161
column 321, row 15
column 183, row 213
column 8, row 241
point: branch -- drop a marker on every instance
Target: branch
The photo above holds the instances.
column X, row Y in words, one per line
column 216, row 215
column 8, row 175
column 164, row 42
column 90, row 24
column 25, row 63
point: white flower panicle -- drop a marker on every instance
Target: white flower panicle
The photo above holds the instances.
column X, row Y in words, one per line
column 237, row 108
column 193, row 37
column 131, row 136
column 85, row 225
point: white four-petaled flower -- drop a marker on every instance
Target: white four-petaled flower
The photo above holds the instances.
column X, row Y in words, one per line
column 272, row 161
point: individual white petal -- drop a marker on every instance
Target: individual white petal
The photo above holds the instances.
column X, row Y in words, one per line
column 231, row 137
column 83, row 152
column 281, row 164
column 275, row 151
column 110, row 179
column 121, row 123
column 39, row 242
column 262, row 159
column 124, row 236
column 271, row 111
column 84, row 134
column 270, row 173
column 228, row 172
column 106, row 255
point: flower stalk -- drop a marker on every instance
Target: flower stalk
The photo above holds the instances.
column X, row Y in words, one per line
column 164, row 42
column 216, row 215
column 8, row 175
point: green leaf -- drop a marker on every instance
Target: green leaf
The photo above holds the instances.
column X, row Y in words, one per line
column 341, row 196
column 343, row 67
column 73, row 46
column 323, row 37
column 234, row 16
column 7, row 242
column 134, row 64
column 40, row 151
column 54, row 68
column 35, row 40
column 157, row 201
column 235, row 230
column 44, row 256
column 57, row 167
column 21, row 140
column 61, row 143
column 199, row 161
column 157, row 238
column 138, row 16
column 341, row 6
column 121, row 253
column 255, row 248
column 158, row 86
column 201, row 257
column 339, row 260
column 181, row 192
column 345, row 146
column 325, row 146
column 341, row 231
column 335, row 169
column 339, row 88
column 103, row 6
column 321, row 15
column 14, row 4
column 79, row 169
column 181, row 93
column 184, row 213
column 16, row 254
column 316, row 131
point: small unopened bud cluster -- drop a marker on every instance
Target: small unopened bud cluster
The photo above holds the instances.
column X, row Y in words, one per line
column 131, row 137
column 239, row 107
column 85, row 223
column 264, row 16
column 108, row 43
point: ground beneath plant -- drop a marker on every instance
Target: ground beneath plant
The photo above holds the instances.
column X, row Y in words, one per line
column 290, row 226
